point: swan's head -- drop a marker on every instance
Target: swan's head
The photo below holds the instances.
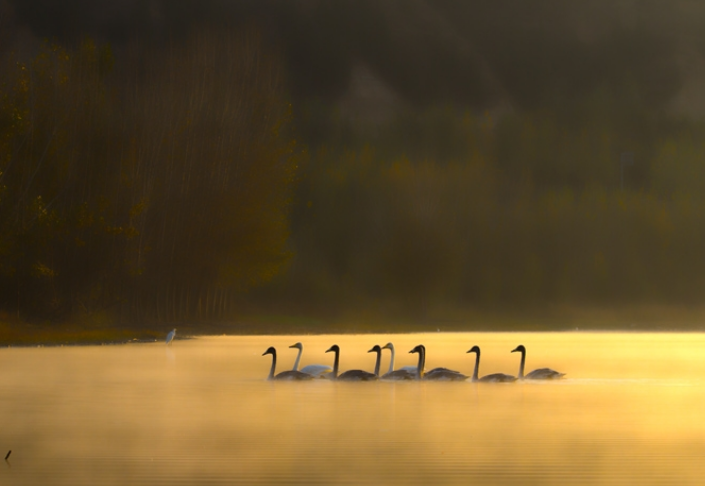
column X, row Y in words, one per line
column 270, row 350
column 298, row 346
column 419, row 349
column 335, row 349
column 388, row 346
column 375, row 349
column 520, row 349
column 474, row 349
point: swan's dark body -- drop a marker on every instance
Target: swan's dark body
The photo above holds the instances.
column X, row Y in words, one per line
column 404, row 373
column 539, row 374
column 437, row 374
column 350, row 375
column 399, row 375
column 284, row 375
column 494, row 377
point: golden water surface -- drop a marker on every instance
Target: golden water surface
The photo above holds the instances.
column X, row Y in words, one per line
column 629, row 411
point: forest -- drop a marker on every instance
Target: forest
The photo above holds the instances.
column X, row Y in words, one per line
column 153, row 192
column 189, row 180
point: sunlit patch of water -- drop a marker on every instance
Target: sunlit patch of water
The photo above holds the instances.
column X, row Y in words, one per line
column 201, row 412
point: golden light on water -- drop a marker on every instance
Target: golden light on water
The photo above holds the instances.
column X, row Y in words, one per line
column 628, row 411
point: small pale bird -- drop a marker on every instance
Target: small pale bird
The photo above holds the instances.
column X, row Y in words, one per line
column 170, row 336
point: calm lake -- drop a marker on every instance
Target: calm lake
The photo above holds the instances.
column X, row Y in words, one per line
column 630, row 410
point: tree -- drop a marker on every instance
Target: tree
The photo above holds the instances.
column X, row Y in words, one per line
column 162, row 185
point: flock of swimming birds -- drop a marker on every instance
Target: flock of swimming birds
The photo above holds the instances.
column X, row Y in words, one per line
column 418, row 372
column 405, row 373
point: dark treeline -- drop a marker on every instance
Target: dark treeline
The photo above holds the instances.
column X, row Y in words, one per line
column 529, row 210
column 152, row 186
column 457, row 155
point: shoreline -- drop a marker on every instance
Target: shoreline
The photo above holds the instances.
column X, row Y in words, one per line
column 643, row 319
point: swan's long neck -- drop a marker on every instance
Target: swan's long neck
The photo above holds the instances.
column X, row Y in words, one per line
column 477, row 367
column 336, row 361
column 298, row 358
column 378, row 362
column 521, row 366
column 274, row 365
column 422, row 363
column 391, row 362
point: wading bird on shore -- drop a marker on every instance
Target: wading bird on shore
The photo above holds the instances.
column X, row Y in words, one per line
column 170, row 336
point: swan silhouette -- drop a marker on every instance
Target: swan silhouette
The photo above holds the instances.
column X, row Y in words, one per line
column 403, row 373
column 284, row 375
column 539, row 374
column 350, row 375
column 439, row 374
column 494, row 377
column 317, row 370
column 378, row 362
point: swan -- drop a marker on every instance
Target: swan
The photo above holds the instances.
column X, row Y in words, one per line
column 350, row 375
column 284, row 375
column 403, row 373
column 494, row 377
column 442, row 374
column 540, row 374
column 377, row 350
column 317, row 370
column 411, row 369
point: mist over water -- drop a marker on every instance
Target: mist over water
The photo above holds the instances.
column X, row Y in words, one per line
column 201, row 411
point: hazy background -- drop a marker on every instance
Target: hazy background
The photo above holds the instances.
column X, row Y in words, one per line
column 171, row 160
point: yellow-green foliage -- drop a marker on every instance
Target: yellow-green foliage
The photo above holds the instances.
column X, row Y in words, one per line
column 529, row 212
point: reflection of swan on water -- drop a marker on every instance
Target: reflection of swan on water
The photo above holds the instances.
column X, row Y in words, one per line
column 350, row 375
column 317, row 370
column 539, row 374
column 284, row 375
column 403, row 373
column 440, row 374
column 170, row 336
column 494, row 377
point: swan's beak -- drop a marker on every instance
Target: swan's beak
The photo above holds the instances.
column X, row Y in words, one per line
column 515, row 350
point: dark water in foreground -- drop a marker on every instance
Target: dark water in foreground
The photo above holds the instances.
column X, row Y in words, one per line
column 200, row 412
